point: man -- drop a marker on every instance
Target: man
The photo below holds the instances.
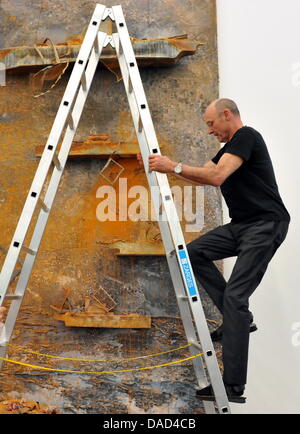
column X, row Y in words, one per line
column 259, row 223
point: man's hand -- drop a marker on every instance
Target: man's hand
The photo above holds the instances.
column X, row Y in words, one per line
column 160, row 163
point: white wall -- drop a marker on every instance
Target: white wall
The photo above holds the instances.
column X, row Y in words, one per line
column 259, row 62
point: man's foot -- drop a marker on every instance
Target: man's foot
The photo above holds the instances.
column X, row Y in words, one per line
column 234, row 393
column 217, row 334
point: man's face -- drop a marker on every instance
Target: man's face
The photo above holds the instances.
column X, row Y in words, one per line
column 217, row 124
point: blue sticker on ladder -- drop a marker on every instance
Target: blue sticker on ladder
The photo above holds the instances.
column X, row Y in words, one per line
column 187, row 273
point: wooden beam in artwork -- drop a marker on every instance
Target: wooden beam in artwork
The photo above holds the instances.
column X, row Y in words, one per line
column 105, row 320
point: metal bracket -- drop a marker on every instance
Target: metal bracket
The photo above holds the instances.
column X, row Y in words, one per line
column 195, row 344
column 109, row 40
column 108, row 13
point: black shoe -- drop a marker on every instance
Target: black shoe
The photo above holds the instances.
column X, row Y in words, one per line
column 217, row 334
column 234, row 394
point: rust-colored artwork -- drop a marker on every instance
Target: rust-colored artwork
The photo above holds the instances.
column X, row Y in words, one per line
column 118, row 211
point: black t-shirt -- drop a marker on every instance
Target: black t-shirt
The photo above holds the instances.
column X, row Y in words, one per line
column 251, row 192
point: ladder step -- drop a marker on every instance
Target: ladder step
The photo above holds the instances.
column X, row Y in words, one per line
column 14, row 275
column 207, row 353
column 195, row 344
column 171, row 253
column 83, row 81
column 182, row 298
column 140, row 127
column 27, row 250
column 43, row 205
column 129, row 85
column 96, row 46
column 56, row 162
column 13, row 297
column 19, row 260
column 70, row 121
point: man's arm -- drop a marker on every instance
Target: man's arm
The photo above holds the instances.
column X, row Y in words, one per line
column 209, row 163
column 211, row 174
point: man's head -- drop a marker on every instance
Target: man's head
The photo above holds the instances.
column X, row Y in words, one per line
column 222, row 117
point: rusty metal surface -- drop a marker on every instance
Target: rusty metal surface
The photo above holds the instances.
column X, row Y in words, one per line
column 75, row 248
column 15, row 406
column 160, row 51
column 98, row 146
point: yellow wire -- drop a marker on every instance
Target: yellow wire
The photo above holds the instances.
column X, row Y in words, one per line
column 96, row 360
column 100, row 372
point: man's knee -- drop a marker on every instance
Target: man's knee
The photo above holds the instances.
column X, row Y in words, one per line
column 235, row 303
column 196, row 253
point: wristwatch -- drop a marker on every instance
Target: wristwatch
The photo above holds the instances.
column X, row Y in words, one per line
column 178, row 168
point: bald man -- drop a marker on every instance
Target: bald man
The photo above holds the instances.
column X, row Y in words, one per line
column 259, row 223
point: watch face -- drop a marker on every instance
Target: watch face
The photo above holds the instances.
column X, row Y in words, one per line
column 178, row 168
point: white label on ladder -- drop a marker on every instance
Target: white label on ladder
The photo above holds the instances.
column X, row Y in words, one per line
column 187, row 273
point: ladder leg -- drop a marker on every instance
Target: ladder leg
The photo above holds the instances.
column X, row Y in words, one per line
column 49, row 153
column 80, row 97
column 177, row 255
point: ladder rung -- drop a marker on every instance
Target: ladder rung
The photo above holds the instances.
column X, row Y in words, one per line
column 129, row 85
column 27, row 250
column 83, row 81
column 121, row 51
column 71, row 121
column 43, row 205
column 196, row 344
column 96, row 46
column 171, row 253
column 20, row 261
column 56, row 162
column 12, row 297
column 140, row 126
column 183, row 297
column 14, row 275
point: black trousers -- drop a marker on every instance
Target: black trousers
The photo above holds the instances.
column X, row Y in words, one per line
column 254, row 244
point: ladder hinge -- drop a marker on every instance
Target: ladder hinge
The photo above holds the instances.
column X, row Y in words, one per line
column 109, row 40
column 108, row 13
column 196, row 344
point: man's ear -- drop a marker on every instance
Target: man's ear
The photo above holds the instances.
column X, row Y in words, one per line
column 227, row 114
